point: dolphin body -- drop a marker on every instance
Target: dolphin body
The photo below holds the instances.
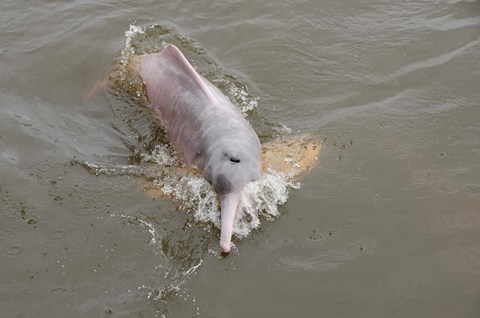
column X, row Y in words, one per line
column 207, row 131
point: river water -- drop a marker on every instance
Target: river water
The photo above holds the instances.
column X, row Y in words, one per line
column 388, row 224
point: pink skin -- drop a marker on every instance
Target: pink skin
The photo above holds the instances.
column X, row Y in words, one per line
column 229, row 207
column 207, row 131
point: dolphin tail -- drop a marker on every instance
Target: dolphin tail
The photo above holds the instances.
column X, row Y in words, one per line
column 229, row 204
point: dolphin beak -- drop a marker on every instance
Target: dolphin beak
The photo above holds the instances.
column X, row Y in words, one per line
column 229, row 204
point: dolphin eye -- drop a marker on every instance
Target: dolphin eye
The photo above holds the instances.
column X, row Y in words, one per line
column 235, row 160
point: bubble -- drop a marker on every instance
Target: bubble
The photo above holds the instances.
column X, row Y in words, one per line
column 448, row 187
column 10, row 231
column 372, row 196
column 42, row 166
column 75, row 225
column 388, row 148
column 14, row 249
column 420, row 190
column 404, row 149
column 352, row 247
column 369, row 243
column 472, row 189
column 423, row 139
column 57, row 234
column 463, row 177
column 422, row 176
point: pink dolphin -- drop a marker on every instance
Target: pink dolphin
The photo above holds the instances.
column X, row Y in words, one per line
column 207, row 131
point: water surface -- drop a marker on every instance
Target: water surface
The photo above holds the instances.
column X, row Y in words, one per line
column 387, row 226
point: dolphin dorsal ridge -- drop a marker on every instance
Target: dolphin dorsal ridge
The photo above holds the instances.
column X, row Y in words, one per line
column 173, row 52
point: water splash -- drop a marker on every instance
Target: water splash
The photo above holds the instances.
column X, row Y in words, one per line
column 260, row 198
column 155, row 237
column 128, row 51
column 161, row 154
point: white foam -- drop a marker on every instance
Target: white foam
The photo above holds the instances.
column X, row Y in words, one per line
column 259, row 198
column 128, row 51
column 161, row 155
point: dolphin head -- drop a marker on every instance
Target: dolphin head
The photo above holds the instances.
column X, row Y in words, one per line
column 229, row 173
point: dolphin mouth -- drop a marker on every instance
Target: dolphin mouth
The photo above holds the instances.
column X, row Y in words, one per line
column 229, row 203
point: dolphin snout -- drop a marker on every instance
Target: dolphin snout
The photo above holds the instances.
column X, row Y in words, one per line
column 225, row 246
column 229, row 204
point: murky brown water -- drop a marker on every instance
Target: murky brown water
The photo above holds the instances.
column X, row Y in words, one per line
column 387, row 226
